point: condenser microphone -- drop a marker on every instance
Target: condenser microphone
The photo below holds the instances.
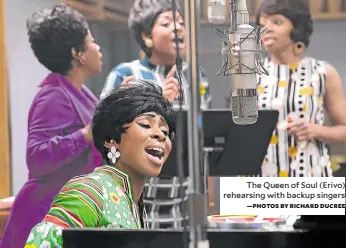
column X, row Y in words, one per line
column 242, row 47
column 244, row 61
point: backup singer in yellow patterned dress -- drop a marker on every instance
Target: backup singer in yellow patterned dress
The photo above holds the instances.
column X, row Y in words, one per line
column 299, row 88
column 132, row 129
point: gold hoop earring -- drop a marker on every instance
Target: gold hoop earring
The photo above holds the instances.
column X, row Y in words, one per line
column 148, row 43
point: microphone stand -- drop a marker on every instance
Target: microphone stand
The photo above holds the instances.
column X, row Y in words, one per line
column 197, row 198
column 198, row 202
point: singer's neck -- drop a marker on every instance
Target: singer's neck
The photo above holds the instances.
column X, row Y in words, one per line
column 285, row 58
column 161, row 59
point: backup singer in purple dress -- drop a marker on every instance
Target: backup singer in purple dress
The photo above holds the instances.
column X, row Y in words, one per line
column 59, row 144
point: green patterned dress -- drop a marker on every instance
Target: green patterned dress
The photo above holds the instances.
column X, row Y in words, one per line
column 103, row 199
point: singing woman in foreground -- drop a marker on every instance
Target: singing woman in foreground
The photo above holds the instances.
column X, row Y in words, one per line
column 299, row 87
column 132, row 129
column 153, row 24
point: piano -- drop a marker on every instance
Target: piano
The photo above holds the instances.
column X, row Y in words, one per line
column 108, row 238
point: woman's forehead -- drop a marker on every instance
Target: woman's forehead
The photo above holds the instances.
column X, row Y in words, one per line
column 268, row 16
column 152, row 115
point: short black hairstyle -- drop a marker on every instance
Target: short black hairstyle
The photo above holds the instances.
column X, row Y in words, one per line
column 123, row 105
column 143, row 15
column 297, row 11
column 52, row 35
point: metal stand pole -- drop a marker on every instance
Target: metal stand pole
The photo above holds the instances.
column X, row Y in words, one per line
column 197, row 198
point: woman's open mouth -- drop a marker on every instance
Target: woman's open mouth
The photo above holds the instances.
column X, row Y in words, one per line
column 181, row 42
column 155, row 154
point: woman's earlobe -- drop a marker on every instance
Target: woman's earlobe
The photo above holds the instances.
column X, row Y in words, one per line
column 148, row 43
column 109, row 144
column 82, row 60
column 299, row 48
column 78, row 56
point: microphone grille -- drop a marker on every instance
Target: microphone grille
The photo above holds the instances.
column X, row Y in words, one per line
column 244, row 109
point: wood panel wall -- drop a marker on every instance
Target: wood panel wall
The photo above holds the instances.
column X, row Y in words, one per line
column 5, row 181
column 117, row 10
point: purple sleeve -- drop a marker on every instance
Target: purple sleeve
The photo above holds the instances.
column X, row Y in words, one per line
column 54, row 133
